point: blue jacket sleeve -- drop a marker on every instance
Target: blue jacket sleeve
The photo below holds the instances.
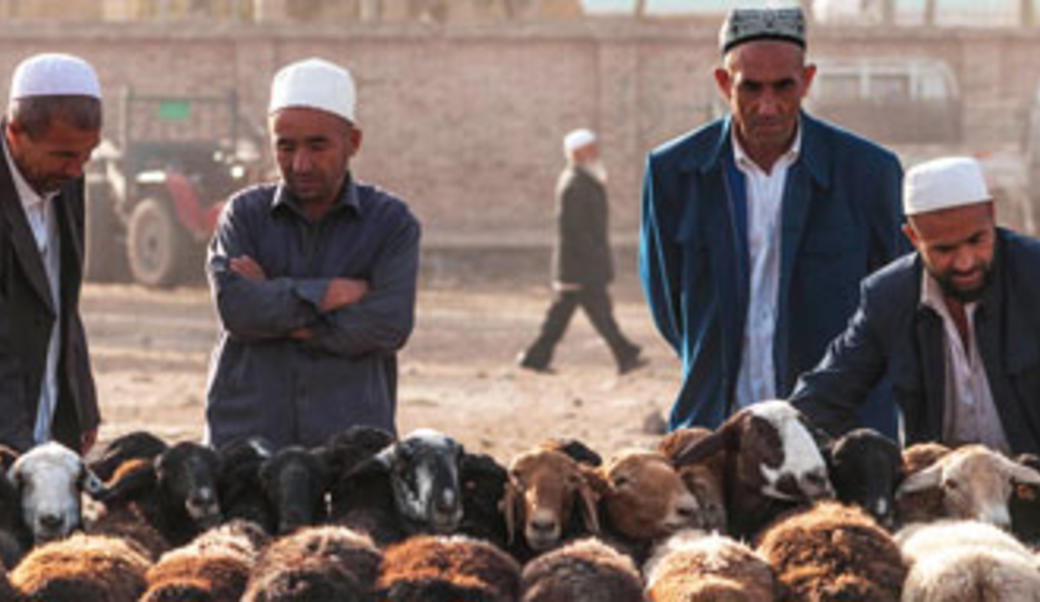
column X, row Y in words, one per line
column 256, row 309
column 659, row 259
column 833, row 391
column 382, row 320
column 888, row 241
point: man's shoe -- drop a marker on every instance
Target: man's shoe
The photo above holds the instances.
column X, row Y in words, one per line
column 524, row 362
column 632, row 363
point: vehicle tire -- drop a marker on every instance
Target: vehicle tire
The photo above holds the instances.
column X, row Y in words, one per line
column 155, row 244
column 104, row 259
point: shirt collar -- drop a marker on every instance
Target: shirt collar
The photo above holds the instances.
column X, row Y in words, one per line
column 744, row 161
column 29, row 197
column 348, row 197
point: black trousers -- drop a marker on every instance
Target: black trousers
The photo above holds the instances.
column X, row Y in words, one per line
column 596, row 302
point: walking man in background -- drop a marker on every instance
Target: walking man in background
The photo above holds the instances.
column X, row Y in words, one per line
column 52, row 125
column 582, row 261
column 314, row 279
column 757, row 228
column 954, row 324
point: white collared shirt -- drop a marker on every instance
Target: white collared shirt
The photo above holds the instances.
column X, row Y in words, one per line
column 969, row 415
column 43, row 222
column 765, row 194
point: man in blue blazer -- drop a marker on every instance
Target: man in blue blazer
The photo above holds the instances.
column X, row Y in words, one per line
column 757, row 229
column 955, row 324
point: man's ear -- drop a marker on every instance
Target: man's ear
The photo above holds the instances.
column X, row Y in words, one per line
column 808, row 74
column 910, row 233
column 724, row 82
column 354, row 141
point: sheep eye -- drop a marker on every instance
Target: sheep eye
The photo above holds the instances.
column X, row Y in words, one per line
column 950, row 484
column 621, row 481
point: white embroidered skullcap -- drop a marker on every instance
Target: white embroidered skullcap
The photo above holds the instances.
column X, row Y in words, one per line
column 943, row 184
column 316, row 84
column 578, row 139
column 54, row 74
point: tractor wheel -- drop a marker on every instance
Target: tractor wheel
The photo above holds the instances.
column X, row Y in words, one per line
column 155, row 244
column 105, row 260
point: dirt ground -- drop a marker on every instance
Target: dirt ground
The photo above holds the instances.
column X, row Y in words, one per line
column 150, row 352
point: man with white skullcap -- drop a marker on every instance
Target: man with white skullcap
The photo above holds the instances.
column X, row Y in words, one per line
column 53, row 122
column 582, row 261
column 955, row 324
column 314, row 279
column 758, row 227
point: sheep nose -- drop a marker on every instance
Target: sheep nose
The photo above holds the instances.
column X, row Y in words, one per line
column 50, row 521
column 687, row 511
column 447, row 502
column 543, row 526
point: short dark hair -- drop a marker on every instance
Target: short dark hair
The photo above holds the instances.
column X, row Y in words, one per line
column 34, row 114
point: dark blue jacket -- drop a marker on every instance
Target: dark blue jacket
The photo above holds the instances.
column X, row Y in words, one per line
column 892, row 331
column 840, row 221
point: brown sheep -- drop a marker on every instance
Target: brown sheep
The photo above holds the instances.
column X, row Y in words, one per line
column 704, row 478
column 543, row 489
column 308, row 580
column 927, row 504
column 448, row 568
column 582, row 570
column 833, row 552
column 693, row 566
column 214, row 566
column 976, row 483
column 80, row 568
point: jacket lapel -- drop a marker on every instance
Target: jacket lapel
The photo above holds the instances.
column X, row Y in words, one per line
column 22, row 240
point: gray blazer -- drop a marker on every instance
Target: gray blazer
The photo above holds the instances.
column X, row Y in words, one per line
column 26, row 318
column 582, row 252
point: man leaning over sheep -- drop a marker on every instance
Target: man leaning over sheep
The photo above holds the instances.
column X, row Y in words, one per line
column 955, row 324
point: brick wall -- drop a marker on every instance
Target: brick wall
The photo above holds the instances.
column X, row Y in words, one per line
column 464, row 123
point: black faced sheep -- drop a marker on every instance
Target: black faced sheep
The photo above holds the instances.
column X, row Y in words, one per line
column 548, row 499
column 976, row 483
column 967, row 561
column 865, row 467
column 586, row 569
column 455, row 568
column 239, row 488
column 336, row 550
column 80, row 568
column 831, row 553
column 49, row 479
column 773, row 464
column 693, row 566
column 704, row 479
column 483, row 481
column 411, row 486
column 295, row 481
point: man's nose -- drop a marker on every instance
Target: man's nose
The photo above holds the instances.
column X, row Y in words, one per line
column 964, row 261
column 301, row 161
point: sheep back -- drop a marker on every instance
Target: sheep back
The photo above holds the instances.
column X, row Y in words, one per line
column 82, row 567
column 582, row 570
column 438, row 563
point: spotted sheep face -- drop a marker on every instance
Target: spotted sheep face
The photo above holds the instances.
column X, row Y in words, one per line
column 49, row 478
column 424, row 476
column 787, row 455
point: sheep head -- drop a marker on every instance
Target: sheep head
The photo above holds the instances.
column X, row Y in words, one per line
column 543, row 487
column 644, row 497
column 424, row 476
column 49, row 478
column 976, row 483
column 187, row 474
column 295, row 481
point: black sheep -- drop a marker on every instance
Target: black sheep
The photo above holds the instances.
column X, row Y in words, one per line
column 295, row 481
column 239, row 487
column 865, row 468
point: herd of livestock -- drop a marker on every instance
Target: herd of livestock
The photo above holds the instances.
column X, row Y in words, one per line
column 764, row 508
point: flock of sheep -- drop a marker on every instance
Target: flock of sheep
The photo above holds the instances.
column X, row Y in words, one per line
column 763, row 508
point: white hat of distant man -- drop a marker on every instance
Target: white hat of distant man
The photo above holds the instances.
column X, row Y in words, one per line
column 54, row 74
column 943, row 184
column 315, row 84
column 577, row 139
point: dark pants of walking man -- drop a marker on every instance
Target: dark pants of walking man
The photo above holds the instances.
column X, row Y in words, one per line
column 596, row 303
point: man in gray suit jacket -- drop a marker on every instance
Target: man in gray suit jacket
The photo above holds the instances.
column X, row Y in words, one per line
column 53, row 123
column 582, row 262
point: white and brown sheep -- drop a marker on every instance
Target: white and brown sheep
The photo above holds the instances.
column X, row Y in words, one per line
column 694, row 566
column 967, row 561
column 773, row 464
column 833, row 552
column 976, row 483
column 586, row 569
column 82, row 567
column 925, row 504
column 427, row 568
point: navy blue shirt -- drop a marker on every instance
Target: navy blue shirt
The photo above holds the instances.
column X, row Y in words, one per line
column 261, row 381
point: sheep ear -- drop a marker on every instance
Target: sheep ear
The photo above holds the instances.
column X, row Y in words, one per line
column 928, row 478
column 131, row 478
column 1020, row 473
column 8, row 456
column 722, row 439
column 588, row 506
column 90, row 483
column 508, row 505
